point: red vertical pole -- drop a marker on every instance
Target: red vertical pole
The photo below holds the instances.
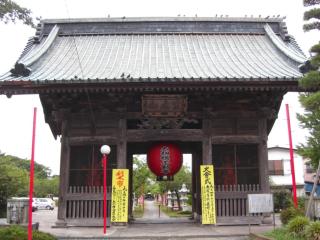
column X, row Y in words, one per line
column 104, row 160
column 294, row 186
column 32, row 173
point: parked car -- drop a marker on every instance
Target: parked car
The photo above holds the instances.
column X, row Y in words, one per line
column 44, row 203
column 34, row 205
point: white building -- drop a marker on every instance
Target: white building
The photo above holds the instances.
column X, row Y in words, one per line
column 280, row 169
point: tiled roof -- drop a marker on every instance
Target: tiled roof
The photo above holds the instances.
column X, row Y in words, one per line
column 68, row 53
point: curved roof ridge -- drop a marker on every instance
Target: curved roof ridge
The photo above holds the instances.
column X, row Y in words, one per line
column 162, row 19
column 295, row 46
column 33, row 56
column 300, row 58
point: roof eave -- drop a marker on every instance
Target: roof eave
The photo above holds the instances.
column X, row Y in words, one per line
column 36, row 87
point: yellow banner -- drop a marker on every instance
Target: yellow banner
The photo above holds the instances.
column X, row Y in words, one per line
column 120, row 194
column 207, row 194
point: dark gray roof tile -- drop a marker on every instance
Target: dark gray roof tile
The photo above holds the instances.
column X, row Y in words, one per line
column 179, row 56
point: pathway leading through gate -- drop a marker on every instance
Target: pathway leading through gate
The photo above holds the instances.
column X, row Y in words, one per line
column 151, row 215
column 151, row 212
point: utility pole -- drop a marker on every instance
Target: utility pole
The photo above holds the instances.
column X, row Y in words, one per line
column 315, row 184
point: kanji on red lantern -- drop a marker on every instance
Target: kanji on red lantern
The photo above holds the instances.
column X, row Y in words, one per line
column 164, row 160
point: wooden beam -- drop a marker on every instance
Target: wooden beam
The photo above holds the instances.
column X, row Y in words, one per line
column 235, row 139
column 233, row 114
column 187, row 135
column 110, row 140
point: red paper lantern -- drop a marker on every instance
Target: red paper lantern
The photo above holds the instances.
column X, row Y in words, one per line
column 164, row 160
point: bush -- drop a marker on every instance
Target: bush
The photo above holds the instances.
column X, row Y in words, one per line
column 15, row 232
column 313, row 231
column 282, row 200
column 289, row 213
column 301, row 202
column 297, row 225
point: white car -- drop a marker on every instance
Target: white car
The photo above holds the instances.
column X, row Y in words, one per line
column 44, row 203
column 34, row 205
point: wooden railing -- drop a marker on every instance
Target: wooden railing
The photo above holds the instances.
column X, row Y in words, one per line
column 231, row 200
column 86, row 202
column 86, row 189
column 238, row 188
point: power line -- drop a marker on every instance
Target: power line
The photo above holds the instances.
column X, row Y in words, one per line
column 81, row 68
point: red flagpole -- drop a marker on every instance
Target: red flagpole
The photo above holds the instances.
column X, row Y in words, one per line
column 32, row 173
column 294, row 186
column 104, row 160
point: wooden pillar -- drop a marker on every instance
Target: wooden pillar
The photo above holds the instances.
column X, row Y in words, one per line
column 263, row 156
column 130, row 167
column 196, row 159
column 193, row 181
column 122, row 157
column 206, row 142
column 64, row 172
column 122, row 144
column 206, row 156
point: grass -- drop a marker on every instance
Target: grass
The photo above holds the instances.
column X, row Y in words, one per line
column 171, row 213
column 282, row 234
column 138, row 211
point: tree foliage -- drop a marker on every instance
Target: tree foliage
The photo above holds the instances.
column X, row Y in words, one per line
column 11, row 11
column 144, row 180
column 311, row 101
column 311, row 15
column 183, row 176
column 14, row 179
column 45, row 186
column 142, row 177
column 308, row 3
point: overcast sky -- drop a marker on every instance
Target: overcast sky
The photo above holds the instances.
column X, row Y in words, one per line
column 16, row 112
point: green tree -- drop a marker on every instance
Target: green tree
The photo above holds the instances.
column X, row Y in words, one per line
column 11, row 11
column 183, row 176
column 45, row 186
column 142, row 177
column 40, row 171
column 312, row 14
column 311, row 80
column 14, row 180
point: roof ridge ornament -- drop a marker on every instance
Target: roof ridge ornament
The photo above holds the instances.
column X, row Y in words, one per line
column 299, row 58
column 21, row 67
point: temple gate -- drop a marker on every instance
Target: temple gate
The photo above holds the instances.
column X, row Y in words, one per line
column 212, row 86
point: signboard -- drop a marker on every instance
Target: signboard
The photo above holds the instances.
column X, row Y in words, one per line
column 120, row 193
column 207, row 194
column 260, row 203
column 164, row 105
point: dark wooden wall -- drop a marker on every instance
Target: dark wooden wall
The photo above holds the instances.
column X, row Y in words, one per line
column 224, row 118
